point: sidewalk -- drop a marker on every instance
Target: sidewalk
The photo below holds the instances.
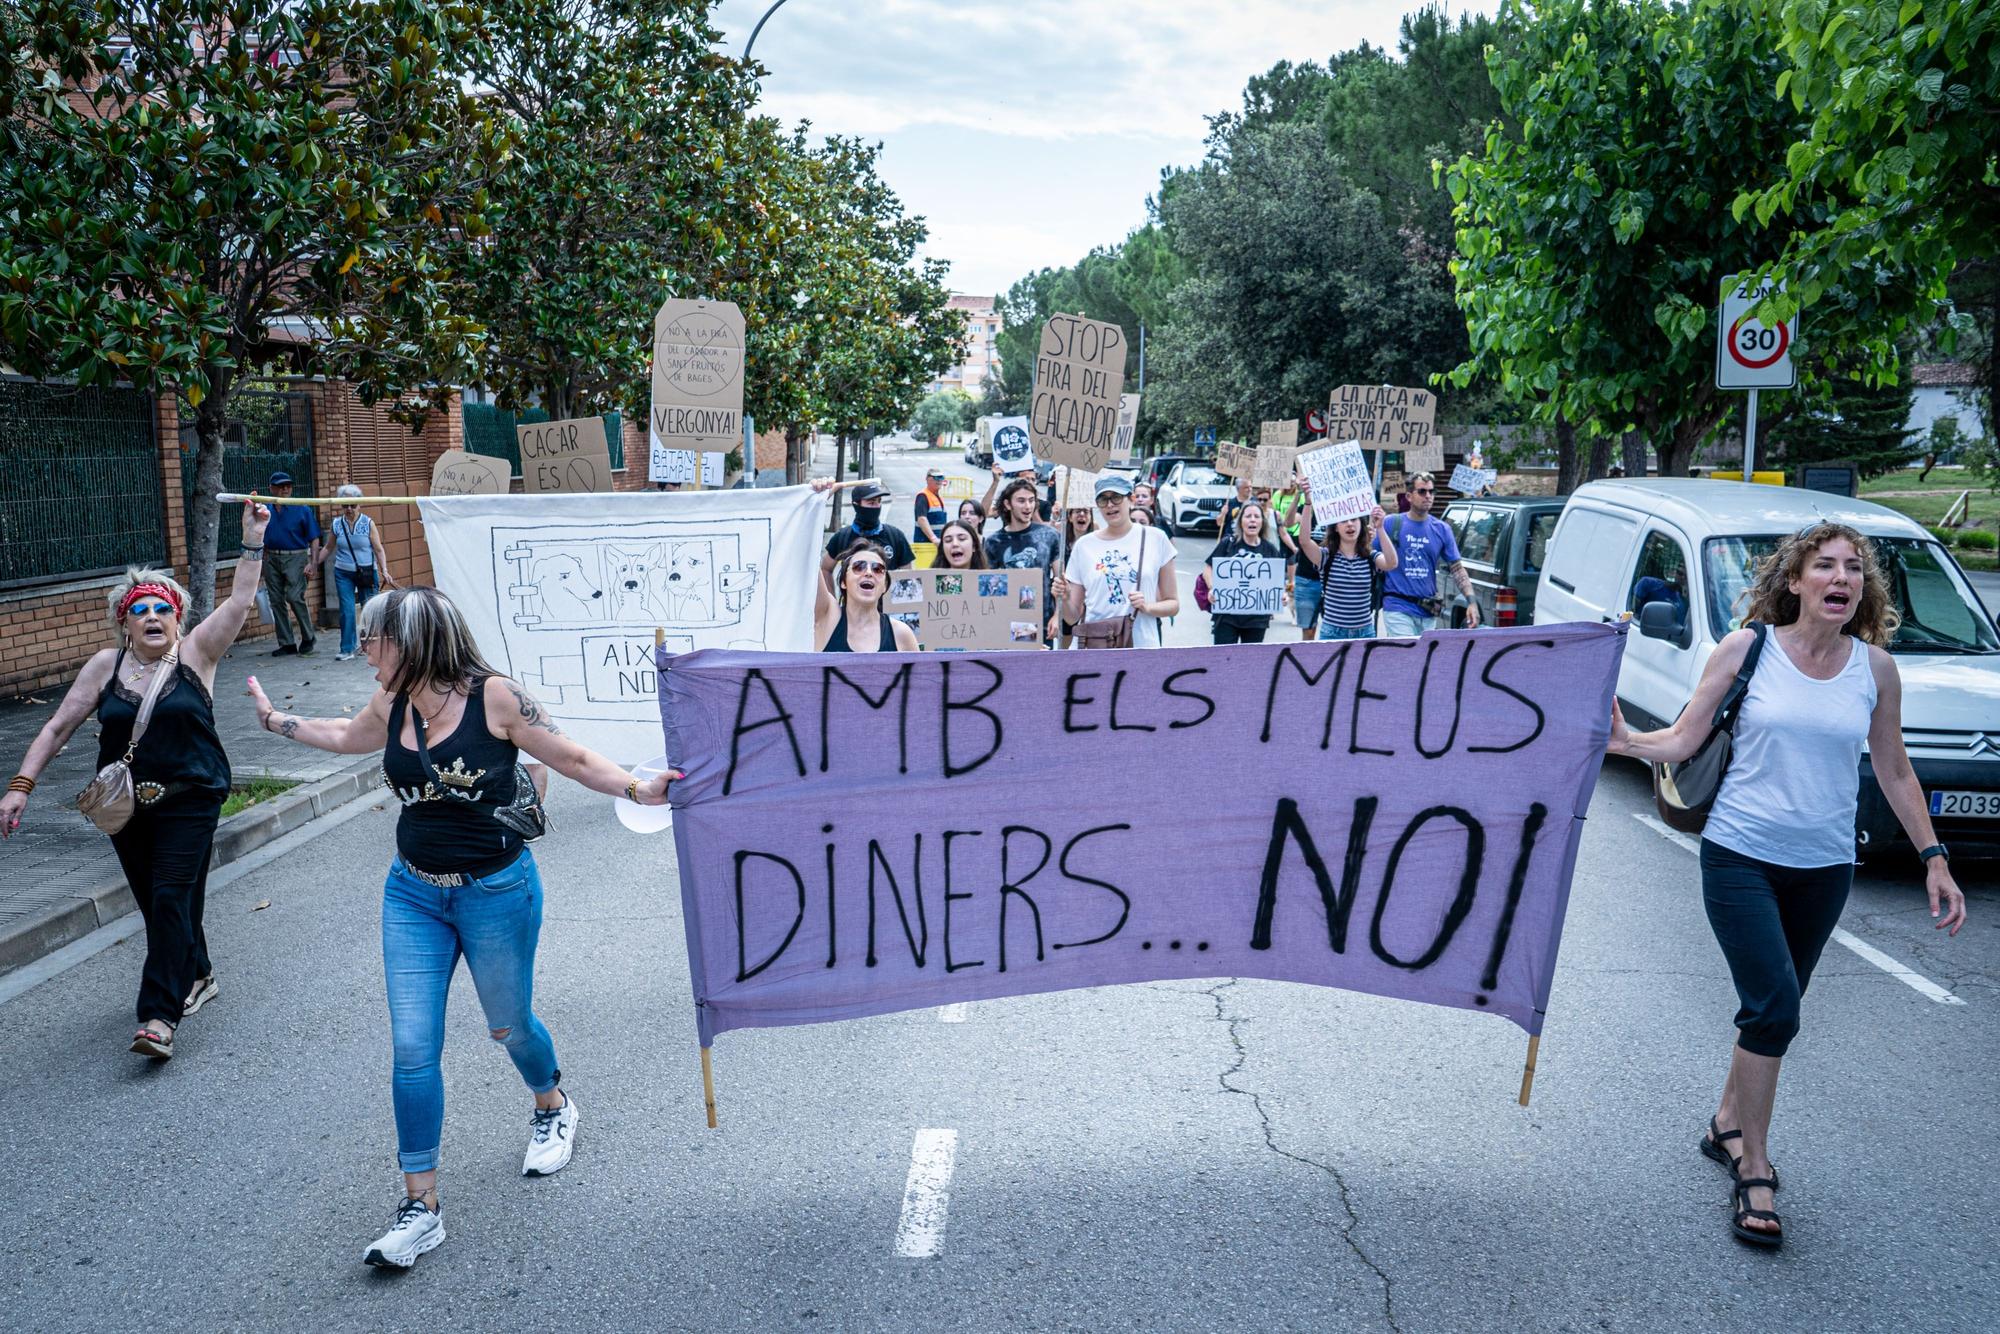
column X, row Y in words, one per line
column 59, row 879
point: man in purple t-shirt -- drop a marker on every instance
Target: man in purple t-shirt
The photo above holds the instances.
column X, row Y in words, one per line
column 1412, row 598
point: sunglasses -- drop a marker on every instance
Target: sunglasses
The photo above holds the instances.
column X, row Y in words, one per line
column 1106, row 502
column 1422, row 491
column 867, row 567
column 150, row 609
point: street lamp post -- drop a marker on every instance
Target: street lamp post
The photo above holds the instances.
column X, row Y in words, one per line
column 749, row 45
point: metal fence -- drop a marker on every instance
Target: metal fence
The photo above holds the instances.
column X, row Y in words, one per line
column 82, row 494
column 267, row 432
column 489, row 430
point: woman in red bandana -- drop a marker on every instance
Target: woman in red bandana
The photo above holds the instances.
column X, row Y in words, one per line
column 179, row 772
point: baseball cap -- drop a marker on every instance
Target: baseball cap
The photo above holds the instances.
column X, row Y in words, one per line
column 868, row 491
column 281, row 479
column 1112, row 482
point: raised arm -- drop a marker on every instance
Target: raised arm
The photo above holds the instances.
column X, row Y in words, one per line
column 56, row 732
column 207, row 642
column 1670, row 745
column 515, row 715
column 364, row 732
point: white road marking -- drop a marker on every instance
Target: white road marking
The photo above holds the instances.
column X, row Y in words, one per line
column 1916, row 981
column 953, row 1013
column 927, row 1194
column 1909, row 977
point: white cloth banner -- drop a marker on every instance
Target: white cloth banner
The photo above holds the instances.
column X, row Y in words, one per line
column 563, row 591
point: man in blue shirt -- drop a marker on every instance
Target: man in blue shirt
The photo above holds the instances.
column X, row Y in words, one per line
column 1412, row 598
column 291, row 548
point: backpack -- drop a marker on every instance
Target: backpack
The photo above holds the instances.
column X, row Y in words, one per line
column 1685, row 792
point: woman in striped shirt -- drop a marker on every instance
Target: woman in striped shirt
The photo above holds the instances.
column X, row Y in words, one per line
column 1353, row 552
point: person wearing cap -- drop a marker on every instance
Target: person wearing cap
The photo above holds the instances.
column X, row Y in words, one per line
column 1122, row 569
column 360, row 565
column 929, row 506
column 180, row 773
column 868, row 524
column 291, row 550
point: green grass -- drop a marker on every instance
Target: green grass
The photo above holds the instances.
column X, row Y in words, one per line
column 257, row 789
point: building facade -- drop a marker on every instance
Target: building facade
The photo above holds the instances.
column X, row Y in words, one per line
column 982, row 347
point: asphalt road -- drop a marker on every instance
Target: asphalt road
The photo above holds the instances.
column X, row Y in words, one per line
column 1174, row 1156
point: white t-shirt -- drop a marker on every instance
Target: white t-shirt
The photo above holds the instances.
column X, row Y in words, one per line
column 1110, row 570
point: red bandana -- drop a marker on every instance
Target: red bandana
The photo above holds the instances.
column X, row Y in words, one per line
column 138, row 591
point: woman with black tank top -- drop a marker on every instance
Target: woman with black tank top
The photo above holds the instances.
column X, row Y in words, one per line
column 854, row 621
column 463, row 883
column 180, row 774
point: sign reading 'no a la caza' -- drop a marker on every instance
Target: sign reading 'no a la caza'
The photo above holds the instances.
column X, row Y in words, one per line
column 1079, row 379
column 864, row 834
column 697, row 377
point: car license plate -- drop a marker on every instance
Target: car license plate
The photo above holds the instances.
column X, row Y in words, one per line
column 1977, row 805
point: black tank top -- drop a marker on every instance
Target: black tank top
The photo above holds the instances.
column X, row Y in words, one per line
column 837, row 641
column 180, row 745
column 447, row 822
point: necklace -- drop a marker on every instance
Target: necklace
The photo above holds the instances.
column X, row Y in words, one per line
column 139, row 674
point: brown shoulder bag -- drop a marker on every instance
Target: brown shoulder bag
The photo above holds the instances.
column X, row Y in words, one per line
column 110, row 801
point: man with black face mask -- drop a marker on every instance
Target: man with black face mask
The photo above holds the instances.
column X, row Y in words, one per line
column 868, row 523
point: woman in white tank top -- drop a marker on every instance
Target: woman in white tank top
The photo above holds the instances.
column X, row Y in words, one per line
column 1778, row 851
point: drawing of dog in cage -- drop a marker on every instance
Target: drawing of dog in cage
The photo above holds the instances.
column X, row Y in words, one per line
column 567, row 583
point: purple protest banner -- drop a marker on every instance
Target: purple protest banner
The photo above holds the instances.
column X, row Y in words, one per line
column 863, row 834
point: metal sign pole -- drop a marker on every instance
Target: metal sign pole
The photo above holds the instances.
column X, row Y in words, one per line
column 1750, row 436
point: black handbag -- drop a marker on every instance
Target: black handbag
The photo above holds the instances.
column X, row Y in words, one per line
column 1684, row 792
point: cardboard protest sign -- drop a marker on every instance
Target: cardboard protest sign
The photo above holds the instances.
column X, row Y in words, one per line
column 977, row 609
column 565, row 456
column 1234, row 460
column 1079, row 378
column 1274, row 466
column 1470, row 481
column 1128, row 428
column 1247, row 586
column 1341, row 486
column 1012, row 450
column 457, row 473
column 1075, row 488
column 1437, row 868
column 678, row 465
column 1283, row 434
column 1383, row 416
column 697, row 378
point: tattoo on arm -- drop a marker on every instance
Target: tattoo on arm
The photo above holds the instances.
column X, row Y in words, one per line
column 289, row 729
column 1459, row 576
column 531, row 712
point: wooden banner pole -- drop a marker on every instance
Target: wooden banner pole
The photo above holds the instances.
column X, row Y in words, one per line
column 233, row 497
column 708, row 1086
column 1528, row 1072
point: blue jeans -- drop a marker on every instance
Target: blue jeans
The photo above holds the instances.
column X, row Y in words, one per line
column 494, row 921
column 343, row 581
column 1346, row 631
column 1305, row 600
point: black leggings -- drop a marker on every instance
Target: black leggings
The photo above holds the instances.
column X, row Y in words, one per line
column 1226, row 633
column 1772, row 922
column 165, row 852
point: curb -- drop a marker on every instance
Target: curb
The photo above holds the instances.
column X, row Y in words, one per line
column 235, row 838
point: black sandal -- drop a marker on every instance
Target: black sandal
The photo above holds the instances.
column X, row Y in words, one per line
column 1711, row 1147
column 1738, row 1192
column 146, row 1042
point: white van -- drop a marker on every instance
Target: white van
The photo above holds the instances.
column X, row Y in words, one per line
column 1677, row 555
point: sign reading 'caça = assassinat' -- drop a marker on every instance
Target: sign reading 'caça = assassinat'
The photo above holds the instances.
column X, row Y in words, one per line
column 858, row 835
column 1079, row 379
column 697, row 378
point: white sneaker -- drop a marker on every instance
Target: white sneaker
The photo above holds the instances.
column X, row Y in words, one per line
column 417, row 1229
column 551, row 1139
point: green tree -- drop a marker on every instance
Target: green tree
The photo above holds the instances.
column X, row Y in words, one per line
column 1896, row 170
column 1592, row 240
column 618, row 193
column 943, row 413
column 180, row 177
column 1859, row 420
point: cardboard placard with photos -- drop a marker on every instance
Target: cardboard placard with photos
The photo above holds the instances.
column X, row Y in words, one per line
column 959, row 611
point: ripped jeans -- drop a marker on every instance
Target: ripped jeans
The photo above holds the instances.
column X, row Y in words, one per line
column 495, row 922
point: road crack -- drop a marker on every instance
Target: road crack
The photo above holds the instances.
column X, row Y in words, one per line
column 1231, row 1024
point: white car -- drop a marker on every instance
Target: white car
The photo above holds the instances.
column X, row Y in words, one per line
column 1678, row 554
column 1191, row 497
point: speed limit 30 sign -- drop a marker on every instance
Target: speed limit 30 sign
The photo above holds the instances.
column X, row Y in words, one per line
column 1750, row 354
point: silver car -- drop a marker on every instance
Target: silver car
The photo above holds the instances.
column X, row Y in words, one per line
column 1192, row 497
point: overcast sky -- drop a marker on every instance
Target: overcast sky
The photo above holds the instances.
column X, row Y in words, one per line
column 1028, row 131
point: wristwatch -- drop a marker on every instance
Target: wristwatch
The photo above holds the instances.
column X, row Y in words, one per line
column 1934, row 850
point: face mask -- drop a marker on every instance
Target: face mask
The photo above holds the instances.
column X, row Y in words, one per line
column 867, row 518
